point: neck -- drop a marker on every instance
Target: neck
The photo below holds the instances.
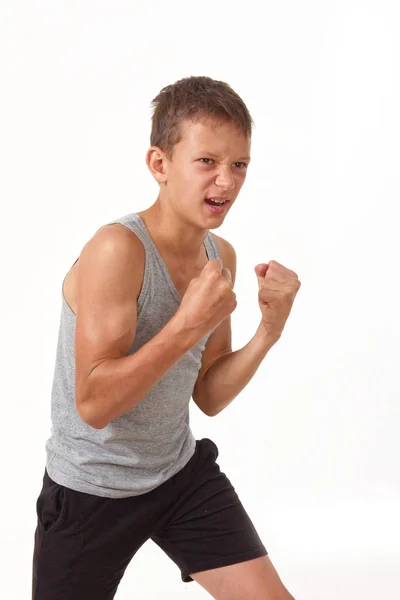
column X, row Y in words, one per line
column 172, row 233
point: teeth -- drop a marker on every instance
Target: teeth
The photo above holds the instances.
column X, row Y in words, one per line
column 218, row 201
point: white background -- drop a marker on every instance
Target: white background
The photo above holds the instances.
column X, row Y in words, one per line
column 311, row 445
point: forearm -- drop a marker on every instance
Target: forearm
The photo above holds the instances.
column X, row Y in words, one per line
column 230, row 374
column 117, row 385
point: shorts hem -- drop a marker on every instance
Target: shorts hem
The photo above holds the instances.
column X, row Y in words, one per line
column 222, row 562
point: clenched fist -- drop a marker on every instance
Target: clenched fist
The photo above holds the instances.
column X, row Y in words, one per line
column 278, row 287
column 208, row 300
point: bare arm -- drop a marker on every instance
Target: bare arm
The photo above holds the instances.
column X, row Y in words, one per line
column 108, row 382
column 230, row 373
column 224, row 374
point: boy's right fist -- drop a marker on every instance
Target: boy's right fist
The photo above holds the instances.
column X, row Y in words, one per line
column 208, row 300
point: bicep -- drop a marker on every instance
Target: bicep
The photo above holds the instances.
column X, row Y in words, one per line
column 109, row 279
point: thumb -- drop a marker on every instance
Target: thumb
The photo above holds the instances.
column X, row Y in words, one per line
column 261, row 270
column 226, row 274
column 214, row 264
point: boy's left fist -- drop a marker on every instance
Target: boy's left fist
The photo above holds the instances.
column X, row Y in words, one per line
column 277, row 287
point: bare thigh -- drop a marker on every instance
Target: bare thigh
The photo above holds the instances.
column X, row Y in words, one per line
column 255, row 579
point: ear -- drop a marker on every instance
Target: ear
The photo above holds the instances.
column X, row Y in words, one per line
column 156, row 162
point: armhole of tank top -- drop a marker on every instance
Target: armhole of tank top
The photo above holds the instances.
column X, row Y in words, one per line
column 64, row 302
column 144, row 290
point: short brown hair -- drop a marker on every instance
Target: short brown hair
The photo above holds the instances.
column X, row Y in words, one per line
column 195, row 98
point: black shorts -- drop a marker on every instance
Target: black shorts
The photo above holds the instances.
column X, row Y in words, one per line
column 83, row 543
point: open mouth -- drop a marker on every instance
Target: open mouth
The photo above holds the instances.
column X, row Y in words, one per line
column 214, row 202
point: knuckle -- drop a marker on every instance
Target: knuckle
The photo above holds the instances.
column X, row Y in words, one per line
column 215, row 275
column 227, row 285
column 295, row 284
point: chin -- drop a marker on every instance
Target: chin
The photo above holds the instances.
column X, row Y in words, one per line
column 214, row 223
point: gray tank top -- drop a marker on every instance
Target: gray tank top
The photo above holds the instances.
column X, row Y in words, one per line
column 147, row 445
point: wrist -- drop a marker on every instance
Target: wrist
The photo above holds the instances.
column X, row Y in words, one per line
column 267, row 338
column 183, row 335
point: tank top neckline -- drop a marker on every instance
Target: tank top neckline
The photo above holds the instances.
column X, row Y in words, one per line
column 161, row 261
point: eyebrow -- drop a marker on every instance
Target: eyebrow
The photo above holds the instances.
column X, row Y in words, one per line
column 246, row 158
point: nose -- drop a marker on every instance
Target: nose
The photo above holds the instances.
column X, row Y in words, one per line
column 225, row 178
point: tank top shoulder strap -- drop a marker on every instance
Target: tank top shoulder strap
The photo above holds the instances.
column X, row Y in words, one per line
column 211, row 246
column 134, row 222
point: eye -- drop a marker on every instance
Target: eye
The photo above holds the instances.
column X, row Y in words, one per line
column 243, row 165
column 210, row 160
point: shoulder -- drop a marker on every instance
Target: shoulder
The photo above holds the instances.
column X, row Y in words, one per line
column 227, row 253
column 114, row 241
column 112, row 257
column 114, row 251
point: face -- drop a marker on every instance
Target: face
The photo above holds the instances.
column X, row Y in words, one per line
column 209, row 162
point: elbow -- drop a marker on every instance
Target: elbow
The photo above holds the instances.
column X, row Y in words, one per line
column 212, row 409
column 209, row 412
column 205, row 407
column 95, row 424
column 212, row 413
column 90, row 419
column 86, row 413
